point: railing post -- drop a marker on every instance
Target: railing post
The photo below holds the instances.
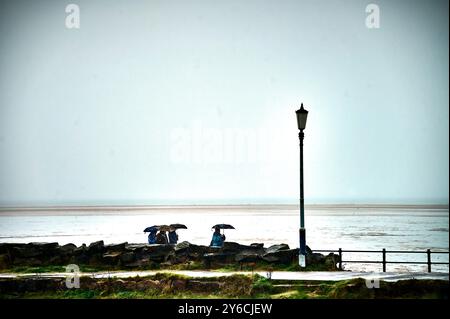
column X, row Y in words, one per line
column 429, row 259
column 384, row 259
column 340, row 258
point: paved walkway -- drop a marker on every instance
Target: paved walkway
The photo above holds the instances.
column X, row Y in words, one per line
column 277, row 275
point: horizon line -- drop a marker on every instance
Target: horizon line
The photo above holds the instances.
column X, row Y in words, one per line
column 205, row 206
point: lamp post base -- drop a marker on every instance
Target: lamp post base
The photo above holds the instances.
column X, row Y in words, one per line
column 302, row 260
column 302, row 250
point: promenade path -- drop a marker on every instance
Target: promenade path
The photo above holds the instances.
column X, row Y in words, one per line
column 276, row 275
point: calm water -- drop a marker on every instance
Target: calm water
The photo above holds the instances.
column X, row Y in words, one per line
column 363, row 228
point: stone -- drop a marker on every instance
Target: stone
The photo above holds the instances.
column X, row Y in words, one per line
column 44, row 246
column 4, row 261
column 112, row 258
column 157, row 253
column 331, row 261
column 275, row 248
column 81, row 258
column 247, row 257
column 96, row 247
column 314, row 258
column 182, row 246
column 127, row 257
column 80, row 250
column 67, row 249
column 219, row 258
column 144, row 285
column 185, row 250
column 138, row 263
column 179, row 284
column 116, row 247
column 136, row 247
column 282, row 256
column 230, row 246
column 26, row 252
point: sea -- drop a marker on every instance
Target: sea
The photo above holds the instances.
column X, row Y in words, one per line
column 328, row 227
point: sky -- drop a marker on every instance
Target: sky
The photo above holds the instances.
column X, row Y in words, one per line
column 193, row 102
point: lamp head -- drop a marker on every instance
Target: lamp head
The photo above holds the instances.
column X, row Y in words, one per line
column 302, row 115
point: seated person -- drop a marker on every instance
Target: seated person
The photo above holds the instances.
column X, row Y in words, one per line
column 152, row 237
column 173, row 236
column 217, row 239
column 161, row 238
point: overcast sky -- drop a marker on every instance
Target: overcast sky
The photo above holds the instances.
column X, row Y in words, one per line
column 172, row 102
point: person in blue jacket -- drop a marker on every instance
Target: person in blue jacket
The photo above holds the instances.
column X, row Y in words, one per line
column 217, row 239
column 173, row 236
column 152, row 236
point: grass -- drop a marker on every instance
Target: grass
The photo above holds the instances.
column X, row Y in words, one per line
column 238, row 286
column 193, row 265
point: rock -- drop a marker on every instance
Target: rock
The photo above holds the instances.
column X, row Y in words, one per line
column 136, row 247
column 5, row 262
column 143, row 263
column 44, row 246
column 193, row 252
column 67, row 249
column 112, row 258
column 182, row 246
column 331, row 261
column 26, row 252
column 218, row 258
column 314, row 259
column 147, row 284
column 157, row 253
column 178, row 284
column 275, row 248
column 127, row 257
column 116, row 247
column 247, row 257
column 96, row 247
column 229, row 246
column 80, row 250
column 282, row 256
column 257, row 245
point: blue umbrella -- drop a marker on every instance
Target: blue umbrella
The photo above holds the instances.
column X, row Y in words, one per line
column 151, row 229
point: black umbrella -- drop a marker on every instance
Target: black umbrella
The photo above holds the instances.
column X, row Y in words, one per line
column 178, row 226
column 223, row 226
column 157, row 227
column 151, row 228
column 164, row 228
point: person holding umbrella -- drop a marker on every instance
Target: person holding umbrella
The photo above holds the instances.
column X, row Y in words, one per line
column 217, row 238
column 151, row 234
column 173, row 236
column 161, row 238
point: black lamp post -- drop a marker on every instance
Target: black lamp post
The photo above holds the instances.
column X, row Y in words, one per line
column 302, row 115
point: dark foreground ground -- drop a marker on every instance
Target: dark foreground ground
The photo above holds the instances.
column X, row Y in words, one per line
column 166, row 285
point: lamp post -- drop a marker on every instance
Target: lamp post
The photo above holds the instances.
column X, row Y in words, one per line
column 302, row 115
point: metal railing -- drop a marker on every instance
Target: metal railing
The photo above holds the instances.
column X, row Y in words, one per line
column 384, row 260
